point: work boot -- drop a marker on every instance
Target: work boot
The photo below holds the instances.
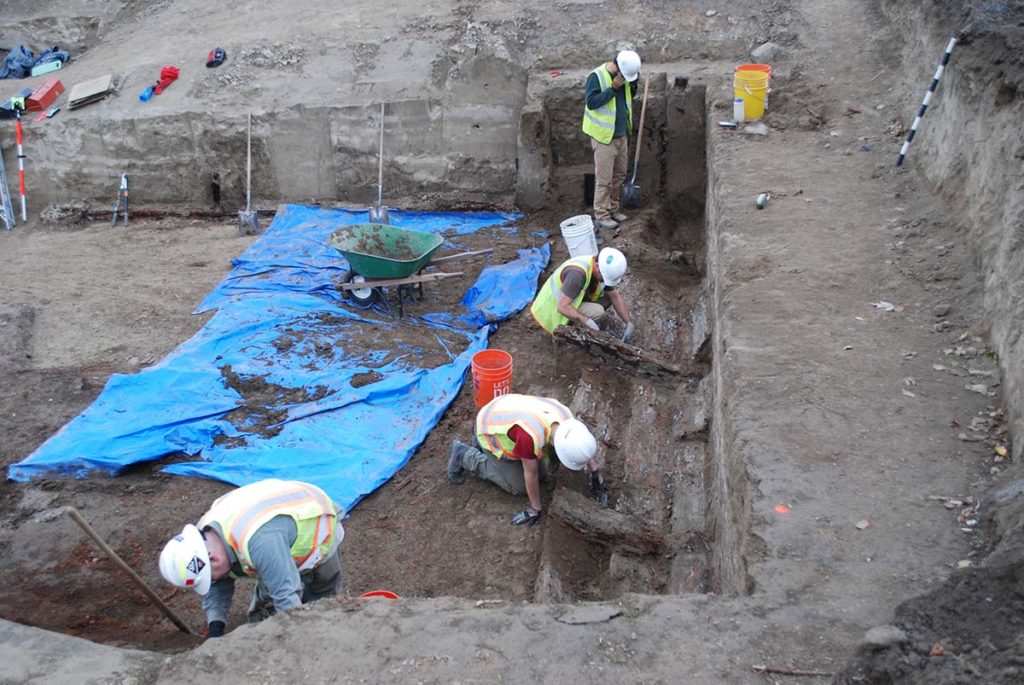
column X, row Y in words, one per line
column 619, row 216
column 454, row 469
column 608, row 223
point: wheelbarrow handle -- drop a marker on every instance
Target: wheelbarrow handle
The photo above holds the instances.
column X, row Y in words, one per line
column 460, row 255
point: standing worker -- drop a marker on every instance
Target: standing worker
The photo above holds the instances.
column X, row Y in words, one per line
column 284, row 534
column 560, row 299
column 608, row 120
column 517, row 433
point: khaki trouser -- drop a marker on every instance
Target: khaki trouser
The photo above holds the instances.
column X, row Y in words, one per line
column 610, row 163
column 507, row 474
column 591, row 310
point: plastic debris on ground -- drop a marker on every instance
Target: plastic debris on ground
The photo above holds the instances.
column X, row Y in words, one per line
column 330, row 397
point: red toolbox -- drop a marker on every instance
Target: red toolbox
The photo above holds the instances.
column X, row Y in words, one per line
column 44, row 96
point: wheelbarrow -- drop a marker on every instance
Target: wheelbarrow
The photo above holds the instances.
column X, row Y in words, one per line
column 381, row 256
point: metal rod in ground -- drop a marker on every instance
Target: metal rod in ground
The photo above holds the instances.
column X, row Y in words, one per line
column 117, row 203
column 160, row 604
column 924, row 103
column 124, row 189
column 21, row 168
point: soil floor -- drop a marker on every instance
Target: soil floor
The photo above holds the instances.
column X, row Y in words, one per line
column 392, row 536
column 861, row 399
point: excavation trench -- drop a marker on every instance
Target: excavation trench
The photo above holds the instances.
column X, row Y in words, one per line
column 657, row 536
column 675, row 508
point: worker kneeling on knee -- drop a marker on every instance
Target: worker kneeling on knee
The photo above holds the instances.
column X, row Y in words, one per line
column 283, row 534
column 572, row 291
column 516, row 435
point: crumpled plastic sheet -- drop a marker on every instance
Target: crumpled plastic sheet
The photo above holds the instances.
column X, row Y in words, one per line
column 279, row 318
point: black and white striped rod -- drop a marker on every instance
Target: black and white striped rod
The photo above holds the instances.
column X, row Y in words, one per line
column 924, row 103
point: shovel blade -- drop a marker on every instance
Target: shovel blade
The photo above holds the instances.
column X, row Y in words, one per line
column 379, row 215
column 630, row 196
column 248, row 222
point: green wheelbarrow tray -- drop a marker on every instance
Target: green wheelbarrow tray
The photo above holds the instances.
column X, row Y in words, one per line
column 379, row 251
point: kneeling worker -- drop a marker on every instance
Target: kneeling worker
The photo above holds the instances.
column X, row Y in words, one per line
column 561, row 298
column 284, row 534
column 517, row 434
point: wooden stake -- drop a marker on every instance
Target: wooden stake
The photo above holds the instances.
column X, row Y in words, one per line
column 155, row 598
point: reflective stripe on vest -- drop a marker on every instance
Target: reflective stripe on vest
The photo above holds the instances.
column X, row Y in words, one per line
column 599, row 123
column 535, row 415
column 545, row 306
column 241, row 512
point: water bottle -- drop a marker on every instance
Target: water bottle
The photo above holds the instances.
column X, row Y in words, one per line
column 146, row 94
column 737, row 110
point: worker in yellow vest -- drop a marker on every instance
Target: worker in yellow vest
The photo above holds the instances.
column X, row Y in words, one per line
column 572, row 291
column 608, row 120
column 284, row 534
column 515, row 435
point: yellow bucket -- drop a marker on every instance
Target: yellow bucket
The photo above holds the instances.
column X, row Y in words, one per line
column 752, row 86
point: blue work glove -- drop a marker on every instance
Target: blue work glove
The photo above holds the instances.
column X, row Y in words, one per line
column 592, row 325
column 630, row 327
column 216, row 629
column 530, row 516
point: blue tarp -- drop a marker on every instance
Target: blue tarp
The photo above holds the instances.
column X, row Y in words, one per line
column 348, row 398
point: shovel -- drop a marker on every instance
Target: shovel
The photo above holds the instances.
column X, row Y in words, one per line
column 248, row 223
column 630, row 196
column 379, row 213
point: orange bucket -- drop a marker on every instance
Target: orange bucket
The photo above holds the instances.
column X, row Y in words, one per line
column 492, row 375
column 755, row 67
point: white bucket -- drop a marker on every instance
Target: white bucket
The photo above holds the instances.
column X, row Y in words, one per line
column 578, row 233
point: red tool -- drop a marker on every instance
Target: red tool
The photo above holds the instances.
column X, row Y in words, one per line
column 48, row 113
column 556, row 72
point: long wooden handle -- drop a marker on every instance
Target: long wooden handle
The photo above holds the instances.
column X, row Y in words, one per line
column 248, row 163
column 460, row 255
column 643, row 111
column 160, row 604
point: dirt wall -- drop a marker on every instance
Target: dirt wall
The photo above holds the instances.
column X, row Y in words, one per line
column 454, row 150
column 727, row 482
column 454, row 79
column 971, row 146
column 555, row 157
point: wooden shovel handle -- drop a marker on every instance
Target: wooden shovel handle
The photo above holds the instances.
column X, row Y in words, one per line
column 643, row 111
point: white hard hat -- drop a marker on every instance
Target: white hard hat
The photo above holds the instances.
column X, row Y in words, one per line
column 185, row 561
column 574, row 444
column 629, row 64
column 612, row 264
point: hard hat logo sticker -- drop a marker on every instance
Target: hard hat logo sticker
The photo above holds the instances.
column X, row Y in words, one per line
column 195, row 566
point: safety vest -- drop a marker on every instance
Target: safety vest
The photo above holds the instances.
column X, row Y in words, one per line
column 545, row 306
column 599, row 123
column 535, row 415
column 240, row 513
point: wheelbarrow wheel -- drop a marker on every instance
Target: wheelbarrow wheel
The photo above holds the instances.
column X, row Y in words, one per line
column 362, row 296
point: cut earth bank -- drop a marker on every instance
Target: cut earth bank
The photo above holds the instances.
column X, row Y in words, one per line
column 820, row 402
